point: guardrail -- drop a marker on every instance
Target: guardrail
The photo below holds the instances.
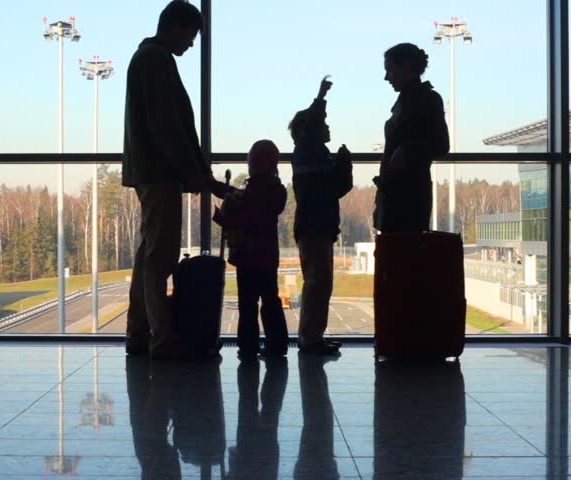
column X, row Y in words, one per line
column 33, row 312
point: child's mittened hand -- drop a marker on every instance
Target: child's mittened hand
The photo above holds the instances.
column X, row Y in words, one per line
column 218, row 216
column 343, row 154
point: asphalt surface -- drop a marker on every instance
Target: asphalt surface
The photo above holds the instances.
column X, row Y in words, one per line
column 77, row 313
column 347, row 316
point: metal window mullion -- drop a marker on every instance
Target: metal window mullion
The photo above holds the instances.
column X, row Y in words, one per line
column 360, row 158
column 558, row 146
column 557, row 414
column 206, row 118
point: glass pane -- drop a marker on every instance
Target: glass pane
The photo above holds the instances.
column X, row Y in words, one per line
column 504, row 240
column 29, row 122
column 29, row 96
column 351, row 306
column 28, row 236
column 502, row 214
column 28, row 262
column 262, row 80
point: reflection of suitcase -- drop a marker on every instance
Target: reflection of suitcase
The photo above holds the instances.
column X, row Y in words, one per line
column 419, row 420
column 198, row 291
column 420, row 308
column 199, row 429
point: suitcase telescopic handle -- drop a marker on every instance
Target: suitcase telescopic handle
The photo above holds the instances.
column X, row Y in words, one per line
column 227, row 177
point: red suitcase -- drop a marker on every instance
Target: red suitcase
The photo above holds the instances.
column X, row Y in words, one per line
column 420, row 307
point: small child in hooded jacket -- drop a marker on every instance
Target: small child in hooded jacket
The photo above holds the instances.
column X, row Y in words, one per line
column 249, row 217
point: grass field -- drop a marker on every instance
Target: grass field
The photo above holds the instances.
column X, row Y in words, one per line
column 18, row 296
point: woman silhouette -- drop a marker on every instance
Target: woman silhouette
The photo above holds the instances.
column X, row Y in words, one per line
column 415, row 134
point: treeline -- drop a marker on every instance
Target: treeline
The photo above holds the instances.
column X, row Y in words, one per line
column 28, row 229
column 475, row 198
column 28, row 222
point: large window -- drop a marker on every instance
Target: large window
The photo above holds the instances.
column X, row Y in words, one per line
column 29, row 94
column 267, row 62
column 505, row 273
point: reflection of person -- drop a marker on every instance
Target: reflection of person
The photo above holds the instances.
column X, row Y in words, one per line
column 415, row 135
column 250, row 216
column 161, row 159
column 319, row 181
column 161, row 394
column 149, row 410
column 419, row 420
column 257, row 434
column 316, row 458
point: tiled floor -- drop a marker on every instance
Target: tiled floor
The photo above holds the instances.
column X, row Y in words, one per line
column 87, row 412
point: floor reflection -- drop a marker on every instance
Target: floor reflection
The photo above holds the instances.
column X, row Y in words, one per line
column 316, row 458
column 503, row 412
column 258, row 420
column 185, row 401
column 419, row 419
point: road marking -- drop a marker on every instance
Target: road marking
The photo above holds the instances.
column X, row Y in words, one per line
column 335, row 312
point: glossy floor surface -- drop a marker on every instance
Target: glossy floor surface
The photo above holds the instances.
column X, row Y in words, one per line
column 88, row 412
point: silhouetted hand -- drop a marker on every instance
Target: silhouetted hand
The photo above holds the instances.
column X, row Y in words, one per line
column 218, row 217
column 198, row 183
column 343, row 155
column 324, row 87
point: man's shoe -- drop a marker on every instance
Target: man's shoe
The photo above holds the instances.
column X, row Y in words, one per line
column 321, row 348
column 335, row 343
column 137, row 344
column 172, row 351
column 246, row 355
column 136, row 349
column 269, row 352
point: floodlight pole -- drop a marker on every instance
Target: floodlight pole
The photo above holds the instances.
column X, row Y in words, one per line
column 94, row 70
column 451, row 31
column 61, row 30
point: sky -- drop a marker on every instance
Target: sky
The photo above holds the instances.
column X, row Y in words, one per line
column 268, row 59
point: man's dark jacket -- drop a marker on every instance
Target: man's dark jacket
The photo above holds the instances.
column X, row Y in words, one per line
column 160, row 143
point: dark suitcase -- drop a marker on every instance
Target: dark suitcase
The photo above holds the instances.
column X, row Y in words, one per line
column 420, row 307
column 197, row 298
column 198, row 292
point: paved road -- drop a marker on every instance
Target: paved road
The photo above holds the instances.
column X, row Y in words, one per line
column 347, row 316
column 78, row 313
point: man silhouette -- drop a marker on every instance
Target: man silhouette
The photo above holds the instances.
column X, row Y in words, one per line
column 161, row 160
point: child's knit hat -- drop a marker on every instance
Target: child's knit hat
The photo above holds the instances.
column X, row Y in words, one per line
column 263, row 158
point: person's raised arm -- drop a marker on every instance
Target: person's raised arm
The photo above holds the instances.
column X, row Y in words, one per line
column 316, row 112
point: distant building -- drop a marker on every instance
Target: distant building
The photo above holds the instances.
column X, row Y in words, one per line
column 519, row 239
column 364, row 259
